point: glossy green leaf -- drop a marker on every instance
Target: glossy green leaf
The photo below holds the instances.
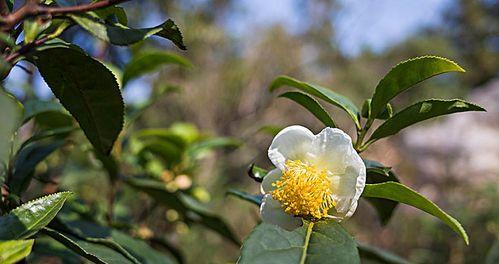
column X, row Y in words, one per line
column 12, row 251
column 421, row 111
column 377, row 173
column 252, row 198
column 406, row 74
column 27, row 219
column 376, row 255
column 92, row 95
column 328, row 243
column 191, row 211
column 26, row 161
column 312, row 105
column 403, row 194
column 119, row 34
column 100, row 253
column 256, row 173
column 151, row 61
column 10, row 119
column 322, row 93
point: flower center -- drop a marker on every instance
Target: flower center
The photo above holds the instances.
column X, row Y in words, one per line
column 304, row 190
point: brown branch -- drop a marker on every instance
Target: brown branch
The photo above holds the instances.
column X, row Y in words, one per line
column 33, row 8
column 27, row 48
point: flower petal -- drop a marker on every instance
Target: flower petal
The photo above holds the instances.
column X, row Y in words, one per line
column 332, row 149
column 347, row 189
column 271, row 177
column 293, row 143
column 272, row 213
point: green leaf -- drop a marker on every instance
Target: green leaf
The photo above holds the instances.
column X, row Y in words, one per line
column 32, row 108
column 377, row 173
column 405, row 75
column 113, row 14
column 10, row 4
column 322, row 93
column 149, row 62
column 137, row 248
column 27, row 219
column 197, row 149
column 191, row 211
column 327, row 242
column 421, row 111
column 33, row 28
column 377, row 255
column 92, row 95
column 403, row 194
column 312, row 105
column 119, row 34
column 10, row 119
column 26, row 161
column 101, row 253
column 385, row 114
column 256, row 173
column 170, row 153
column 13, row 251
column 162, row 134
column 58, row 133
column 255, row 199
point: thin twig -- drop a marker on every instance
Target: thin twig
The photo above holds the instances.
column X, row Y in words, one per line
column 32, row 8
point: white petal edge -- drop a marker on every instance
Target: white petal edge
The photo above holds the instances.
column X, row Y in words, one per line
column 272, row 213
column 359, row 188
column 332, row 149
column 292, row 142
column 271, row 177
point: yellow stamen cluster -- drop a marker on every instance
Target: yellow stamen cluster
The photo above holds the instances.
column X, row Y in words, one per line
column 304, row 190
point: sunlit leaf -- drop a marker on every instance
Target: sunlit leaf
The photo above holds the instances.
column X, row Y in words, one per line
column 328, row 243
column 10, row 119
column 256, row 173
column 312, row 105
column 405, row 75
column 403, row 194
column 421, row 111
column 322, row 93
column 12, row 251
column 27, row 219
column 119, row 34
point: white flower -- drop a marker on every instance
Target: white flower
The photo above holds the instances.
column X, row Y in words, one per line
column 317, row 176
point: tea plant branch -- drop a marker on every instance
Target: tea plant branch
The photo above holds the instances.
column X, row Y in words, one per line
column 361, row 134
column 28, row 47
column 33, row 8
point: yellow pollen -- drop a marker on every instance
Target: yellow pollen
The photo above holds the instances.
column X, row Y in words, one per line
column 304, row 190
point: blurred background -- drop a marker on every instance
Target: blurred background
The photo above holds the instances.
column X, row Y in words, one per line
column 237, row 49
